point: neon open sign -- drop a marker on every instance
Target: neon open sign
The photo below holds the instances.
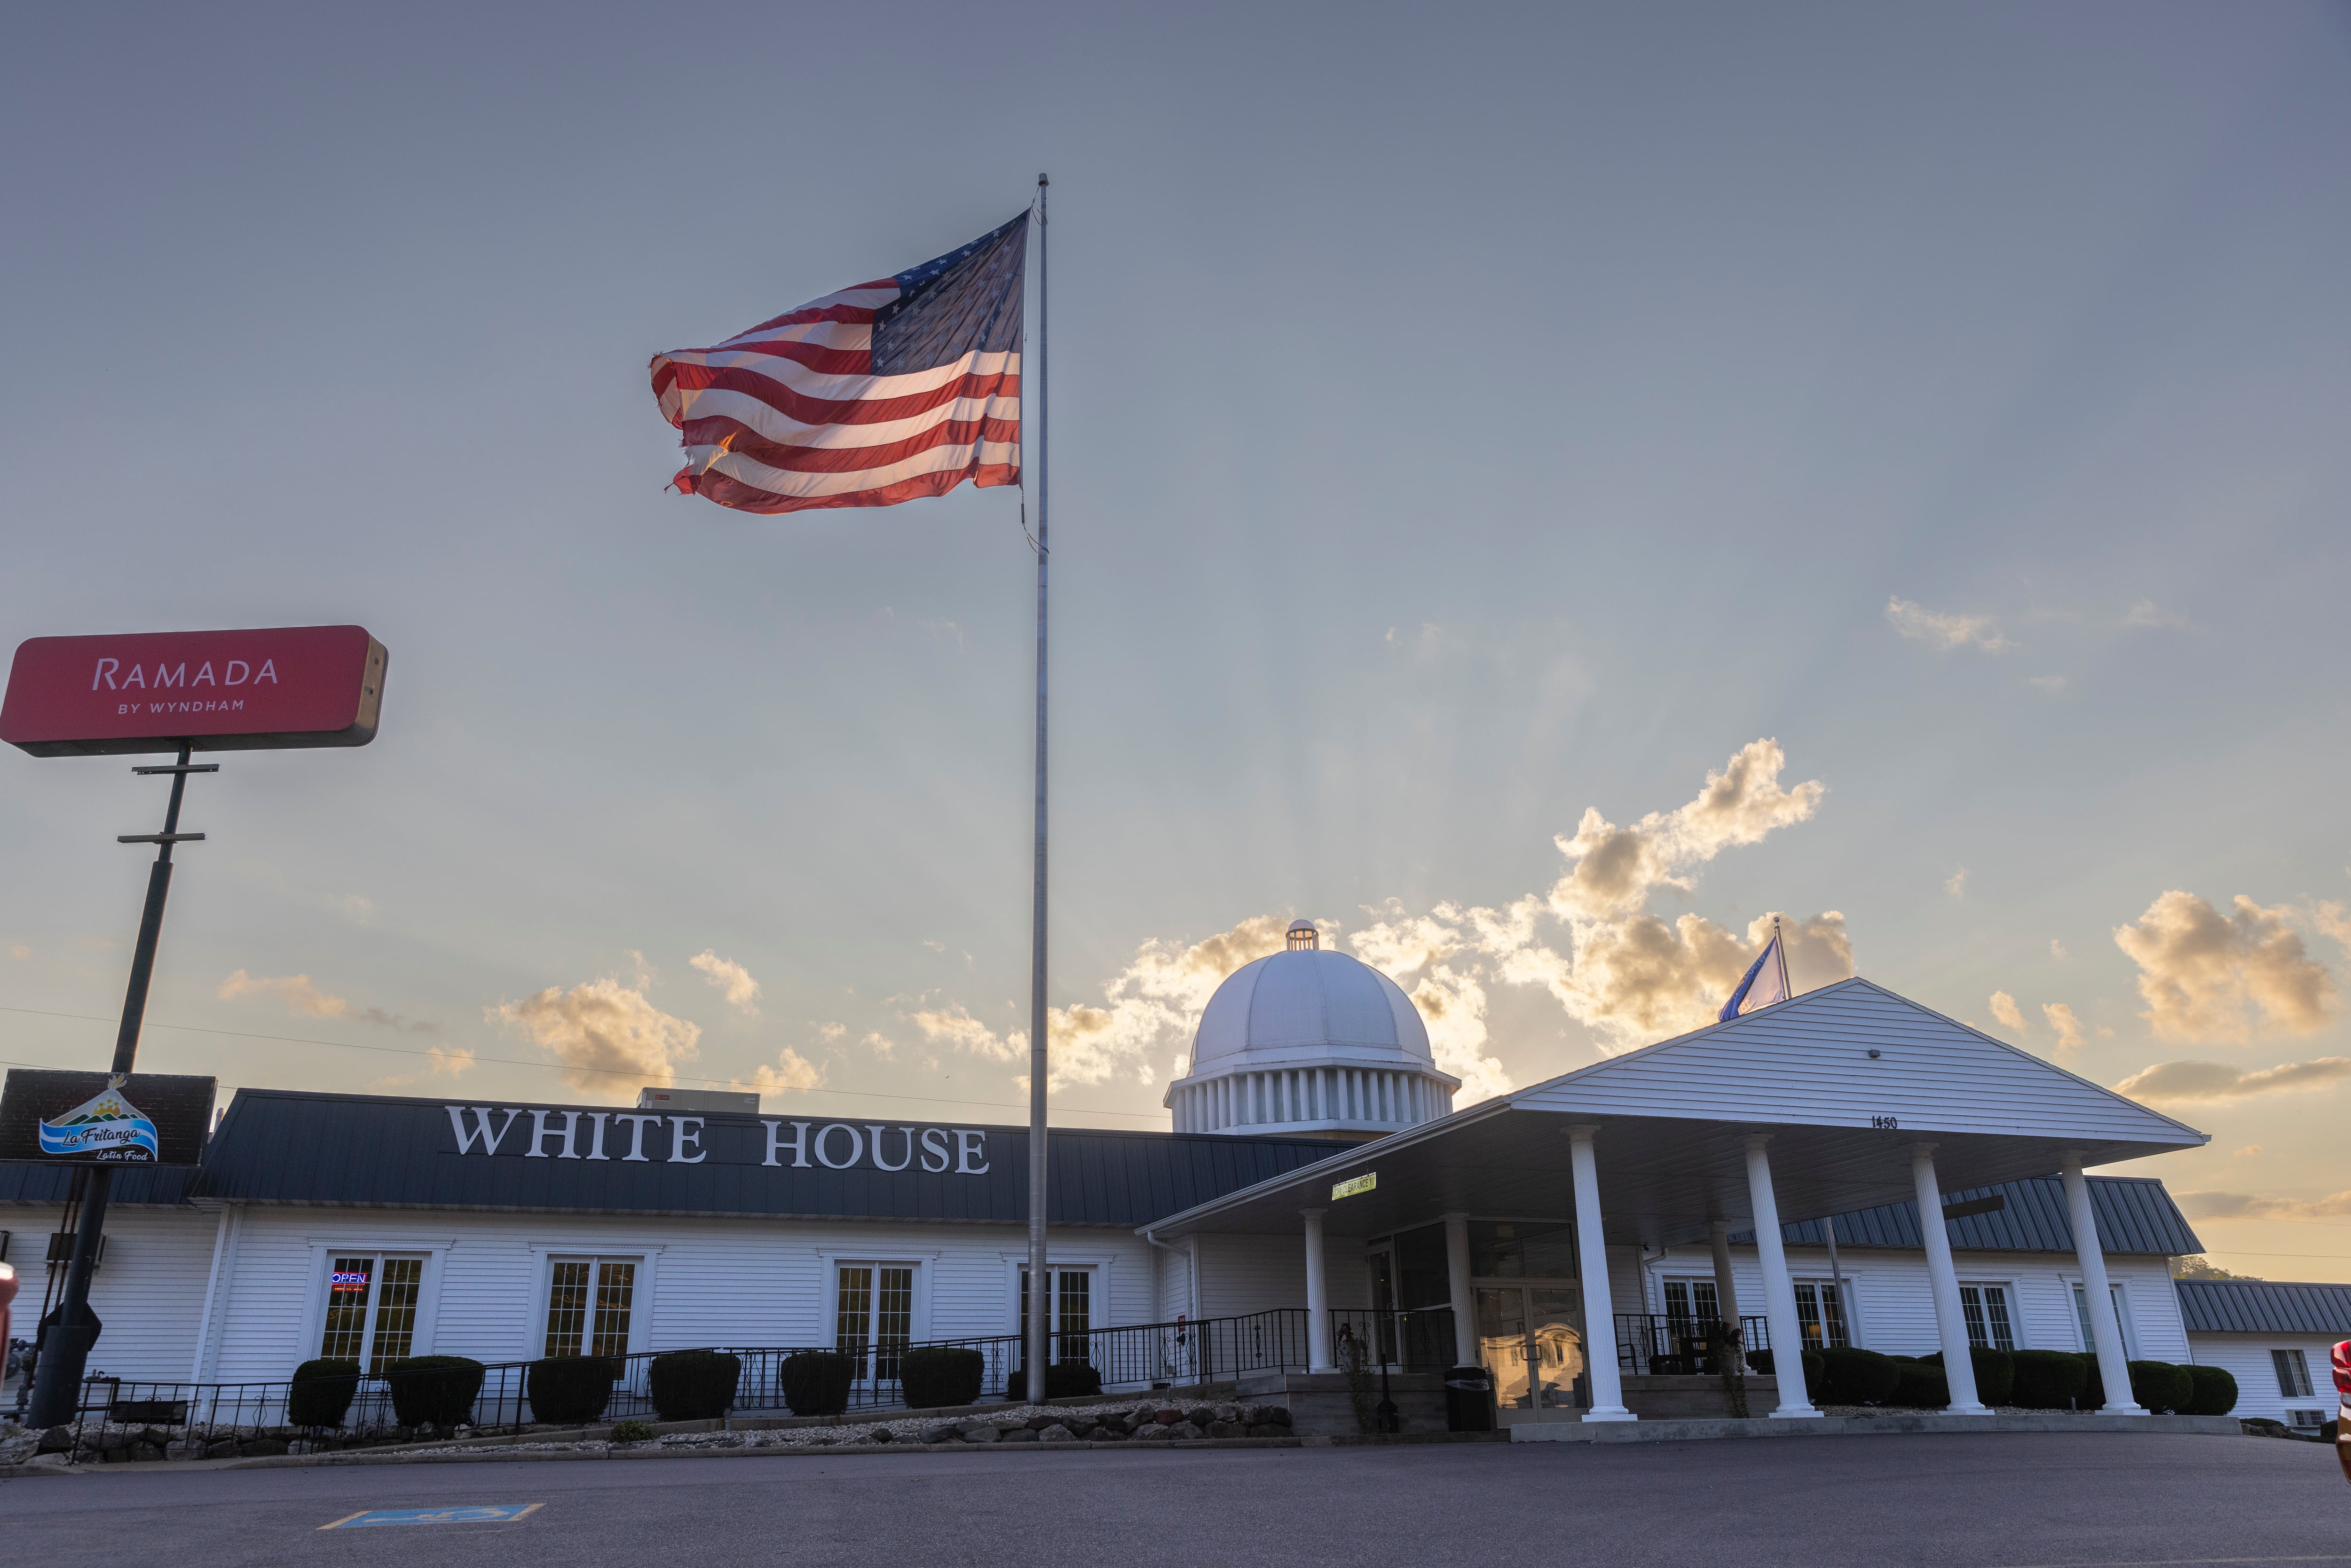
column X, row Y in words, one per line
column 350, row 1281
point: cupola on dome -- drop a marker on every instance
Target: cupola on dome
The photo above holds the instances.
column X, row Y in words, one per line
column 1311, row 1042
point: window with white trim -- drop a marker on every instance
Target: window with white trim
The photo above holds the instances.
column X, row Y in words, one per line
column 1990, row 1325
column 591, row 1305
column 2081, row 1318
column 1070, row 1302
column 2293, row 1374
column 873, row 1315
column 1693, row 1301
column 1817, row 1300
column 372, row 1300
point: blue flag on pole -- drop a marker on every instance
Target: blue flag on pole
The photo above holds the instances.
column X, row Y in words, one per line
column 1772, row 969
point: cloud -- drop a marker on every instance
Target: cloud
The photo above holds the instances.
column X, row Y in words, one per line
column 792, row 1071
column 2204, row 975
column 2252, row 1205
column 2069, row 1027
column 742, row 990
column 879, row 1044
column 831, row 1034
column 605, row 1034
column 2206, row 1080
column 954, row 1026
column 301, row 997
column 1614, row 869
column 1941, row 631
column 2248, row 1149
column 2144, row 614
column 1956, row 885
column 2051, row 684
column 2004, row 1010
column 19, row 952
column 2057, row 951
column 456, row 1062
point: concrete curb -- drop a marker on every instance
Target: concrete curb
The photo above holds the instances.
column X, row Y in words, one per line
column 1867, row 1427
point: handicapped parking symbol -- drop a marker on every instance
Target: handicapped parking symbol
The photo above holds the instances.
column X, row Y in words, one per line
column 481, row 1513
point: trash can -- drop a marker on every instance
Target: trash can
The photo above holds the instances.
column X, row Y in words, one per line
column 1469, row 1400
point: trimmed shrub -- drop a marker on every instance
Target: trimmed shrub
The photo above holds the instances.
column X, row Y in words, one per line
column 323, row 1392
column 433, row 1390
column 1995, row 1372
column 698, row 1384
column 816, row 1382
column 2094, row 1389
column 1063, row 1380
column 2161, row 1386
column 2048, row 1379
column 2213, row 1391
column 1856, row 1376
column 941, row 1376
column 1923, row 1387
column 571, row 1390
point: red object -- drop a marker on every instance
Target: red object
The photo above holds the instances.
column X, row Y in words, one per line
column 2342, row 1359
column 7, row 1295
column 216, row 691
column 2343, row 1369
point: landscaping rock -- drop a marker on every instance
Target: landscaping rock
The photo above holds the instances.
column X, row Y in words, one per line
column 944, row 1434
column 1200, row 1414
column 191, row 1448
column 1020, row 1435
column 1185, row 1429
column 1108, row 1432
column 1226, row 1429
column 1057, row 1433
column 980, row 1432
column 1265, row 1429
column 58, row 1440
column 260, row 1448
column 1155, row 1432
column 1168, row 1414
column 1228, row 1412
column 1038, row 1423
column 224, row 1449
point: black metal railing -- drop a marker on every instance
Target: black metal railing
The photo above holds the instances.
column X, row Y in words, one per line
column 1420, row 1339
column 1663, row 1345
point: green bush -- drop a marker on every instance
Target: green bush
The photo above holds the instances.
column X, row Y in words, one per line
column 2161, row 1386
column 2213, row 1391
column 1856, row 1376
column 816, row 1382
column 321, row 1393
column 1063, row 1380
column 2047, row 1379
column 695, row 1385
column 941, row 1376
column 571, row 1390
column 631, row 1432
column 433, row 1390
column 1923, row 1387
column 1995, row 1372
column 2094, row 1387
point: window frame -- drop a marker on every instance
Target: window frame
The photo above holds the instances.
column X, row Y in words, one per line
column 1101, row 1265
column 317, row 1291
column 1847, row 1319
column 2007, row 1288
column 2301, row 1364
column 544, row 1256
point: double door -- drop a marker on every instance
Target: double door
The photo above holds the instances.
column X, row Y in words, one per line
column 1530, row 1341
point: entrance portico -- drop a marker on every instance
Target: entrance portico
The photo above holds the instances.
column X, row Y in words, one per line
column 1843, row 1099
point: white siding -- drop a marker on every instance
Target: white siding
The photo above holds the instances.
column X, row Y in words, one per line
column 148, row 1293
column 1242, row 1274
column 706, row 1282
column 2246, row 1357
column 1807, row 1062
column 1893, row 1306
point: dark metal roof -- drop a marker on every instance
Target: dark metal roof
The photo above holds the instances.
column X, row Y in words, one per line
column 133, row 1185
column 279, row 1146
column 2264, row 1306
column 2134, row 1214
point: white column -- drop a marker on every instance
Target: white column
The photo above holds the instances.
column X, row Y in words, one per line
column 1456, row 1277
column 1779, row 1291
column 1591, row 1260
column 1726, row 1284
column 2105, row 1333
column 1317, row 1297
column 1959, row 1362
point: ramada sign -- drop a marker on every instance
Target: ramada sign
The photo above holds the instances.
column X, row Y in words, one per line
column 623, row 1136
column 215, row 691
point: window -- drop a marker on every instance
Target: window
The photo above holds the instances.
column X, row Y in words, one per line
column 1517, row 1250
column 1985, row 1307
column 2293, row 1374
column 1692, row 1300
column 1070, row 1299
column 2305, row 1420
column 1815, row 1298
column 2082, row 1317
column 873, row 1316
column 371, row 1308
column 590, row 1304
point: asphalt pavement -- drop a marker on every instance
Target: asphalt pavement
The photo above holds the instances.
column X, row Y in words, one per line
column 2024, row 1500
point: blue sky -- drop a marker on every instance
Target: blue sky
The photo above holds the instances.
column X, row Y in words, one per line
column 1462, row 419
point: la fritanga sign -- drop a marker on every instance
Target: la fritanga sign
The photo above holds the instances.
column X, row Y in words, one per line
column 104, row 1118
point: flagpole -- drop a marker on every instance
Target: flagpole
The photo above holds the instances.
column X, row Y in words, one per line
column 1779, row 945
column 1040, row 1300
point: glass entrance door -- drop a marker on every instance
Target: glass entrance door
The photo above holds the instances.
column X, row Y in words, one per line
column 1530, row 1341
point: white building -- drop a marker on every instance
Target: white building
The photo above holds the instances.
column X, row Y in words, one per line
column 2275, row 1339
column 1558, row 1233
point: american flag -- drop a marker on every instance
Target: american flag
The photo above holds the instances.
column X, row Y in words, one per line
column 891, row 390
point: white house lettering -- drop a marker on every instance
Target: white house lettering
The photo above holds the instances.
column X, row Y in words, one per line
column 807, row 1145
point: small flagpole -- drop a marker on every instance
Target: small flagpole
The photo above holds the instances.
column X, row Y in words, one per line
column 1039, row 1296
column 1780, row 946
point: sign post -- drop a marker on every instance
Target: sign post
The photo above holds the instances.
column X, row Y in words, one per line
column 169, row 692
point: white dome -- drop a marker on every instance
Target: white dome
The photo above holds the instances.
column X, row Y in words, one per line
column 1307, row 1004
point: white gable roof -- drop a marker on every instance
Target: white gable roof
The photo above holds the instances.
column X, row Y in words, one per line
column 1807, row 1060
